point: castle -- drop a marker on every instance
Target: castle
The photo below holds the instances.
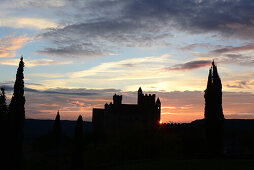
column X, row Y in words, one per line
column 146, row 113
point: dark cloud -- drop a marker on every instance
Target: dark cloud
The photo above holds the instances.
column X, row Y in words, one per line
column 81, row 92
column 197, row 45
column 191, row 65
column 234, row 49
column 75, row 51
column 240, row 59
column 96, row 27
column 130, row 65
column 62, row 91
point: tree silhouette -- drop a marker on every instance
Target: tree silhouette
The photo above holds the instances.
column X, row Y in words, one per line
column 16, row 117
column 57, row 128
column 57, row 134
column 3, row 125
column 3, row 106
column 214, row 117
column 77, row 158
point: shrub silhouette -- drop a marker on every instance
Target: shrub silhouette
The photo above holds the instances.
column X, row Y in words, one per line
column 3, row 107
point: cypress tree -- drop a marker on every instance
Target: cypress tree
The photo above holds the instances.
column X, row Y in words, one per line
column 77, row 158
column 16, row 117
column 214, row 117
column 57, row 136
column 57, row 128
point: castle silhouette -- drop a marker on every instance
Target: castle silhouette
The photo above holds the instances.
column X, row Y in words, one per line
column 146, row 113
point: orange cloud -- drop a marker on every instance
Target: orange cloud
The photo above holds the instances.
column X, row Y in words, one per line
column 9, row 45
column 33, row 63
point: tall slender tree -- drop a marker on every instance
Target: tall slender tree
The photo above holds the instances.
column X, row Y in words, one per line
column 214, row 117
column 3, row 126
column 57, row 135
column 57, row 128
column 77, row 158
column 16, row 117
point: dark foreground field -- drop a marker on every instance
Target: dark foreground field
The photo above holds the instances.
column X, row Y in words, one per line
column 172, row 146
column 187, row 164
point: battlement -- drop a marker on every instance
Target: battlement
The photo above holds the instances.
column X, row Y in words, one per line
column 117, row 99
column 145, row 99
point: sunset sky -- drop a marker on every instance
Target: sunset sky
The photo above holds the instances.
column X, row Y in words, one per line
column 79, row 53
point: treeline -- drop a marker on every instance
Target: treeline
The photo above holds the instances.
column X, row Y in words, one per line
column 12, row 118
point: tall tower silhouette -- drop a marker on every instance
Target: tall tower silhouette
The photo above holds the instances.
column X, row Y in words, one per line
column 214, row 117
column 140, row 95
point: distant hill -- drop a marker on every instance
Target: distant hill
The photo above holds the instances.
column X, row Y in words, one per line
column 35, row 128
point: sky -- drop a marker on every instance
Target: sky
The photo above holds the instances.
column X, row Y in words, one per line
column 79, row 53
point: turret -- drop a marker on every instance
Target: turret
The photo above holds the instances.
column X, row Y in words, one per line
column 140, row 95
column 140, row 90
column 158, row 102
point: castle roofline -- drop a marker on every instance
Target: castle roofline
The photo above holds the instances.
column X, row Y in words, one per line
column 158, row 101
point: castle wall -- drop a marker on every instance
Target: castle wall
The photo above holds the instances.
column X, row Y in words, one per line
column 98, row 118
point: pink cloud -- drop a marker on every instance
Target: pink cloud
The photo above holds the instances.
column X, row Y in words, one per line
column 9, row 45
column 191, row 65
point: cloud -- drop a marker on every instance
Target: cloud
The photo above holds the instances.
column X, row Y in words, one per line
column 28, row 23
column 191, row 65
column 27, row 4
column 197, row 45
column 74, row 51
column 99, row 27
column 100, row 38
column 137, row 68
column 10, row 44
column 240, row 84
column 33, row 63
column 247, row 47
column 46, row 75
column 61, row 91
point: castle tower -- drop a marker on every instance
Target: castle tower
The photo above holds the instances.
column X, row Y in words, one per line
column 158, row 102
column 117, row 99
column 140, row 95
column 158, row 110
